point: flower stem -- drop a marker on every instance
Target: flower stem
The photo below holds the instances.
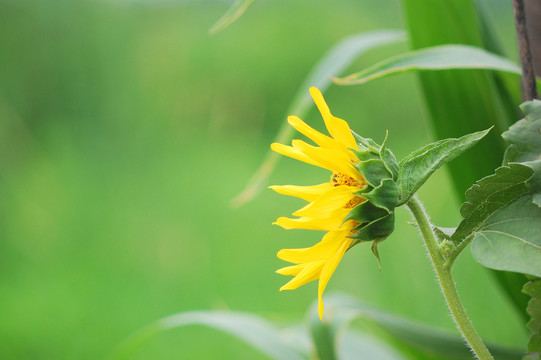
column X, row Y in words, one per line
column 447, row 283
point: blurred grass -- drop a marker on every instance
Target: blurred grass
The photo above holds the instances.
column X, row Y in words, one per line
column 124, row 133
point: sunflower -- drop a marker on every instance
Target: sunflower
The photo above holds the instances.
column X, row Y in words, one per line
column 329, row 204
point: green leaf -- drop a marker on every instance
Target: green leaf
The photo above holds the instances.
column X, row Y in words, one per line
column 249, row 328
column 231, row 15
column 444, row 57
column 525, row 145
column 355, row 345
column 510, row 239
column 341, row 310
column 332, row 64
column 533, row 289
column 490, row 194
column 417, row 167
column 463, row 101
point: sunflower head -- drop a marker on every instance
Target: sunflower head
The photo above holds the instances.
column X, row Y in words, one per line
column 355, row 205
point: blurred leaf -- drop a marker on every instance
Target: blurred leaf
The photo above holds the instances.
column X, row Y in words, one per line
column 525, row 144
column 463, row 101
column 334, row 62
column 445, row 57
column 231, row 15
column 510, row 239
column 417, row 167
column 342, row 309
column 533, row 289
column 489, row 195
column 356, row 345
column 249, row 328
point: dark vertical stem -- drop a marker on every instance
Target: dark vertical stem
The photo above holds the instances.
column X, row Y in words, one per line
column 528, row 76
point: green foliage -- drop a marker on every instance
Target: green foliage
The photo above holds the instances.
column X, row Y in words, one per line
column 503, row 210
column 417, row 167
column 509, row 239
column 525, row 145
column 489, row 195
column 416, row 339
column 464, row 101
column 332, row 64
column 444, row 57
column 232, row 14
column 252, row 329
column 533, row 289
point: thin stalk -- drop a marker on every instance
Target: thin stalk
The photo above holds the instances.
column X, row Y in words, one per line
column 528, row 75
column 447, row 283
column 451, row 259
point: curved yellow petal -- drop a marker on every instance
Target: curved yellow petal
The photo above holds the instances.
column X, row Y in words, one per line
column 328, row 270
column 324, row 249
column 308, row 193
column 330, row 159
column 328, row 203
column 310, row 272
column 338, row 128
column 292, row 152
column 327, row 224
column 314, row 135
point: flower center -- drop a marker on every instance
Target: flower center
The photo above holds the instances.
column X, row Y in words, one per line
column 354, row 202
column 338, row 179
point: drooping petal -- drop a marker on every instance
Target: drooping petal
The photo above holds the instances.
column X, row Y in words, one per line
column 328, row 270
column 330, row 243
column 310, row 272
column 308, row 193
column 338, row 128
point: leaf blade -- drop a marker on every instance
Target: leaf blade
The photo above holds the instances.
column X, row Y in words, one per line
column 231, row 15
column 249, row 328
column 417, row 167
column 510, row 239
column 443, row 57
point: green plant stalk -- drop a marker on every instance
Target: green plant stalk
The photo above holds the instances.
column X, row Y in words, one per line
column 447, row 284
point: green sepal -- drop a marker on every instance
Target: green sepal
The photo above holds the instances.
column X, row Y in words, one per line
column 365, row 213
column 384, row 196
column 365, row 155
column 376, row 230
column 366, row 143
column 374, row 171
column 388, row 158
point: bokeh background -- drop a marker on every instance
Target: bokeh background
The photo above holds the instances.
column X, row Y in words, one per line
column 126, row 130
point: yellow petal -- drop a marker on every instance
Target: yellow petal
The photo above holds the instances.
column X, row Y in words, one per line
column 310, row 272
column 324, row 249
column 314, row 135
column 328, row 203
column 292, row 153
column 327, row 271
column 331, row 159
column 308, row 193
column 327, row 224
column 338, row 128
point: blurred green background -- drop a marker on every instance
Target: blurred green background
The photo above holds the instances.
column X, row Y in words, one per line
column 125, row 131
